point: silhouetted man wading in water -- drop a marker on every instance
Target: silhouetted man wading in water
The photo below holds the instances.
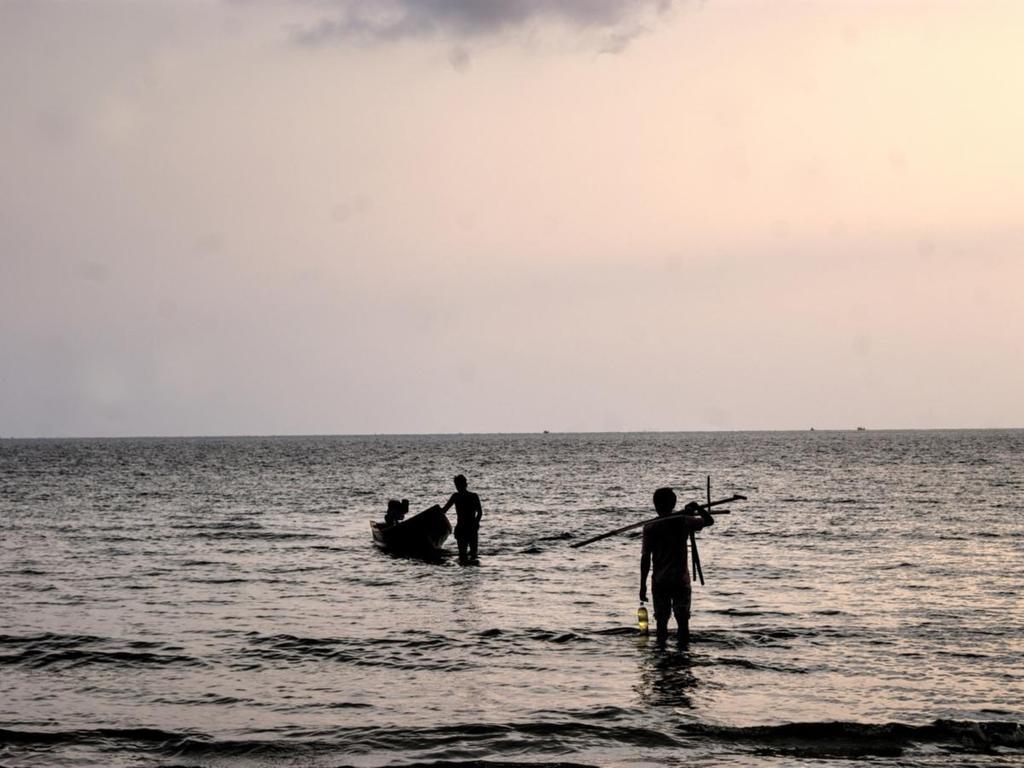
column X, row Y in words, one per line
column 665, row 542
column 468, row 513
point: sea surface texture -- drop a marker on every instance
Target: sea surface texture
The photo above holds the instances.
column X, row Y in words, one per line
column 219, row 602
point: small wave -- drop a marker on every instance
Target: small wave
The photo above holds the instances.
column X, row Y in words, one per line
column 491, row 764
column 260, row 535
column 39, row 588
column 152, row 736
column 556, row 637
column 962, row 654
column 72, row 651
column 298, row 569
column 849, row 739
column 806, row 740
column 725, row 661
column 601, row 713
column 405, row 653
column 69, row 659
column 558, row 537
column 50, row 639
column 207, row 699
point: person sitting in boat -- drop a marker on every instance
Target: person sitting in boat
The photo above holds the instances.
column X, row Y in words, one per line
column 396, row 511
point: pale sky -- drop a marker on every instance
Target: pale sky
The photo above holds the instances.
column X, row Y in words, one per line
column 334, row 216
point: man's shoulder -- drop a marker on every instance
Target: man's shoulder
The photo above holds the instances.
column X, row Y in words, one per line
column 664, row 526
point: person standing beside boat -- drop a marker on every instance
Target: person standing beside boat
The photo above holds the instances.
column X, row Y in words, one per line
column 468, row 513
column 664, row 541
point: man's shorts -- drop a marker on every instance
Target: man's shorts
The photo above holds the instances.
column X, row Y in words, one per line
column 671, row 599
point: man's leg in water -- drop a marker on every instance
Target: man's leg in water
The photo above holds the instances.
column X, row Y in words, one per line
column 661, row 599
column 681, row 602
column 460, row 538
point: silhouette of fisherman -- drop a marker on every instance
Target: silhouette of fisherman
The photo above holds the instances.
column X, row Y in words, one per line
column 396, row 511
column 468, row 513
column 664, row 542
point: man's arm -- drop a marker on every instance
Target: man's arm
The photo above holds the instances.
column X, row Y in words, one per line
column 645, row 568
column 479, row 508
column 697, row 521
column 448, row 505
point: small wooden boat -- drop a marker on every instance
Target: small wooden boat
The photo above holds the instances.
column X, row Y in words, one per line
column 421, row 535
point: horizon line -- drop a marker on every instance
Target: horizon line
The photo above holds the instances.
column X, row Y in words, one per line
column 506, row 432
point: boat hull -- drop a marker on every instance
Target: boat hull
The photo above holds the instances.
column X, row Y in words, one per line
column 422, row 535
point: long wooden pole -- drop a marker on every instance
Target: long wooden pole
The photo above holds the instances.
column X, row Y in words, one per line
column 629, row 527
column 698, row 572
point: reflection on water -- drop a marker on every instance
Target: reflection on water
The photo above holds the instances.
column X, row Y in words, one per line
column 667, row 677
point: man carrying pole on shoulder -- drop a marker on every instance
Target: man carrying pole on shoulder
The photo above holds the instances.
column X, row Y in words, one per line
column 664, row 541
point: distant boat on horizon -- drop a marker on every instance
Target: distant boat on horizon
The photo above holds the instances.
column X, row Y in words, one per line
column 861, row 429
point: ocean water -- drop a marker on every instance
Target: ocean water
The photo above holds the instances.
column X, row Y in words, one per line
column 218, row 602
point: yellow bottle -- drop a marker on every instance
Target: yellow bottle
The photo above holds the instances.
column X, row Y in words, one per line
column 641, row 619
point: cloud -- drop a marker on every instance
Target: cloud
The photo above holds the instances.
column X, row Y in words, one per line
column 619, row 39
column 382, row 21
column 458, row 57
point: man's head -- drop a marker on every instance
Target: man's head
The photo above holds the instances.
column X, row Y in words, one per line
column 460, row 482
column 664, row 501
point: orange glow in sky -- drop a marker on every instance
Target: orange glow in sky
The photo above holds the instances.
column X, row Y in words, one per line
column 222, row 218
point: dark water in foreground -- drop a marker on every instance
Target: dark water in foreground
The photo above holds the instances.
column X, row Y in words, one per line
column 218, row 602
